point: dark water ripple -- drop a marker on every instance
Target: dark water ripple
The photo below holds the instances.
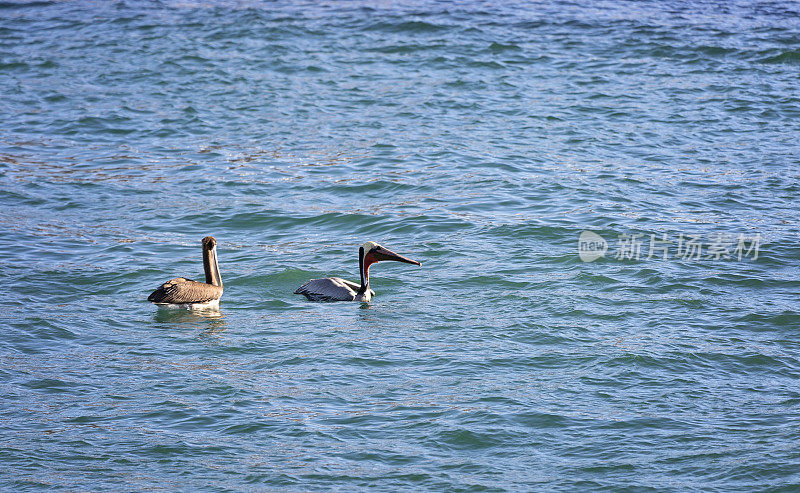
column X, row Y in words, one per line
column 480, row 139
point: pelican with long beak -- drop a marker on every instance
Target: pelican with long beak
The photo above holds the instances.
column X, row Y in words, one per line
column 185, row 293
column 336, row 289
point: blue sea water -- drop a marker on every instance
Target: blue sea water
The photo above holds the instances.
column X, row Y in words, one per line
column 480, row 138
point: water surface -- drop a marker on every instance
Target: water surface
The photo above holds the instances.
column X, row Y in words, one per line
column 478, row 139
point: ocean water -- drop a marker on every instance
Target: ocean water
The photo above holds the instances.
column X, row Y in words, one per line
column 480, row 138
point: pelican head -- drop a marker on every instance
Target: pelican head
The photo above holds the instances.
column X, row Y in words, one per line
column 370, row 253
column 209, row 243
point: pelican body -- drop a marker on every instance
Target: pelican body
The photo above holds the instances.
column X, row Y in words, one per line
column 336, row 289
column 185, row 293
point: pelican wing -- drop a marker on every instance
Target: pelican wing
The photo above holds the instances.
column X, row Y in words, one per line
column 355, row 286
column 182, row 290
column 329, row 289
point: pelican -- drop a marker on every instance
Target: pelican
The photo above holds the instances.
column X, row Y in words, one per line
column 185, row 293
column 336, row 289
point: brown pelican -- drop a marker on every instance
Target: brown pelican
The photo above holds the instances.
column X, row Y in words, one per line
column 336, row 289
column 185, row 293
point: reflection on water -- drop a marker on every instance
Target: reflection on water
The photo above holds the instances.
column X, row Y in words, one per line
column 210, row 321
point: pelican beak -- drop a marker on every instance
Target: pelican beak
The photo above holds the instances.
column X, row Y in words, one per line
column 386, row 254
